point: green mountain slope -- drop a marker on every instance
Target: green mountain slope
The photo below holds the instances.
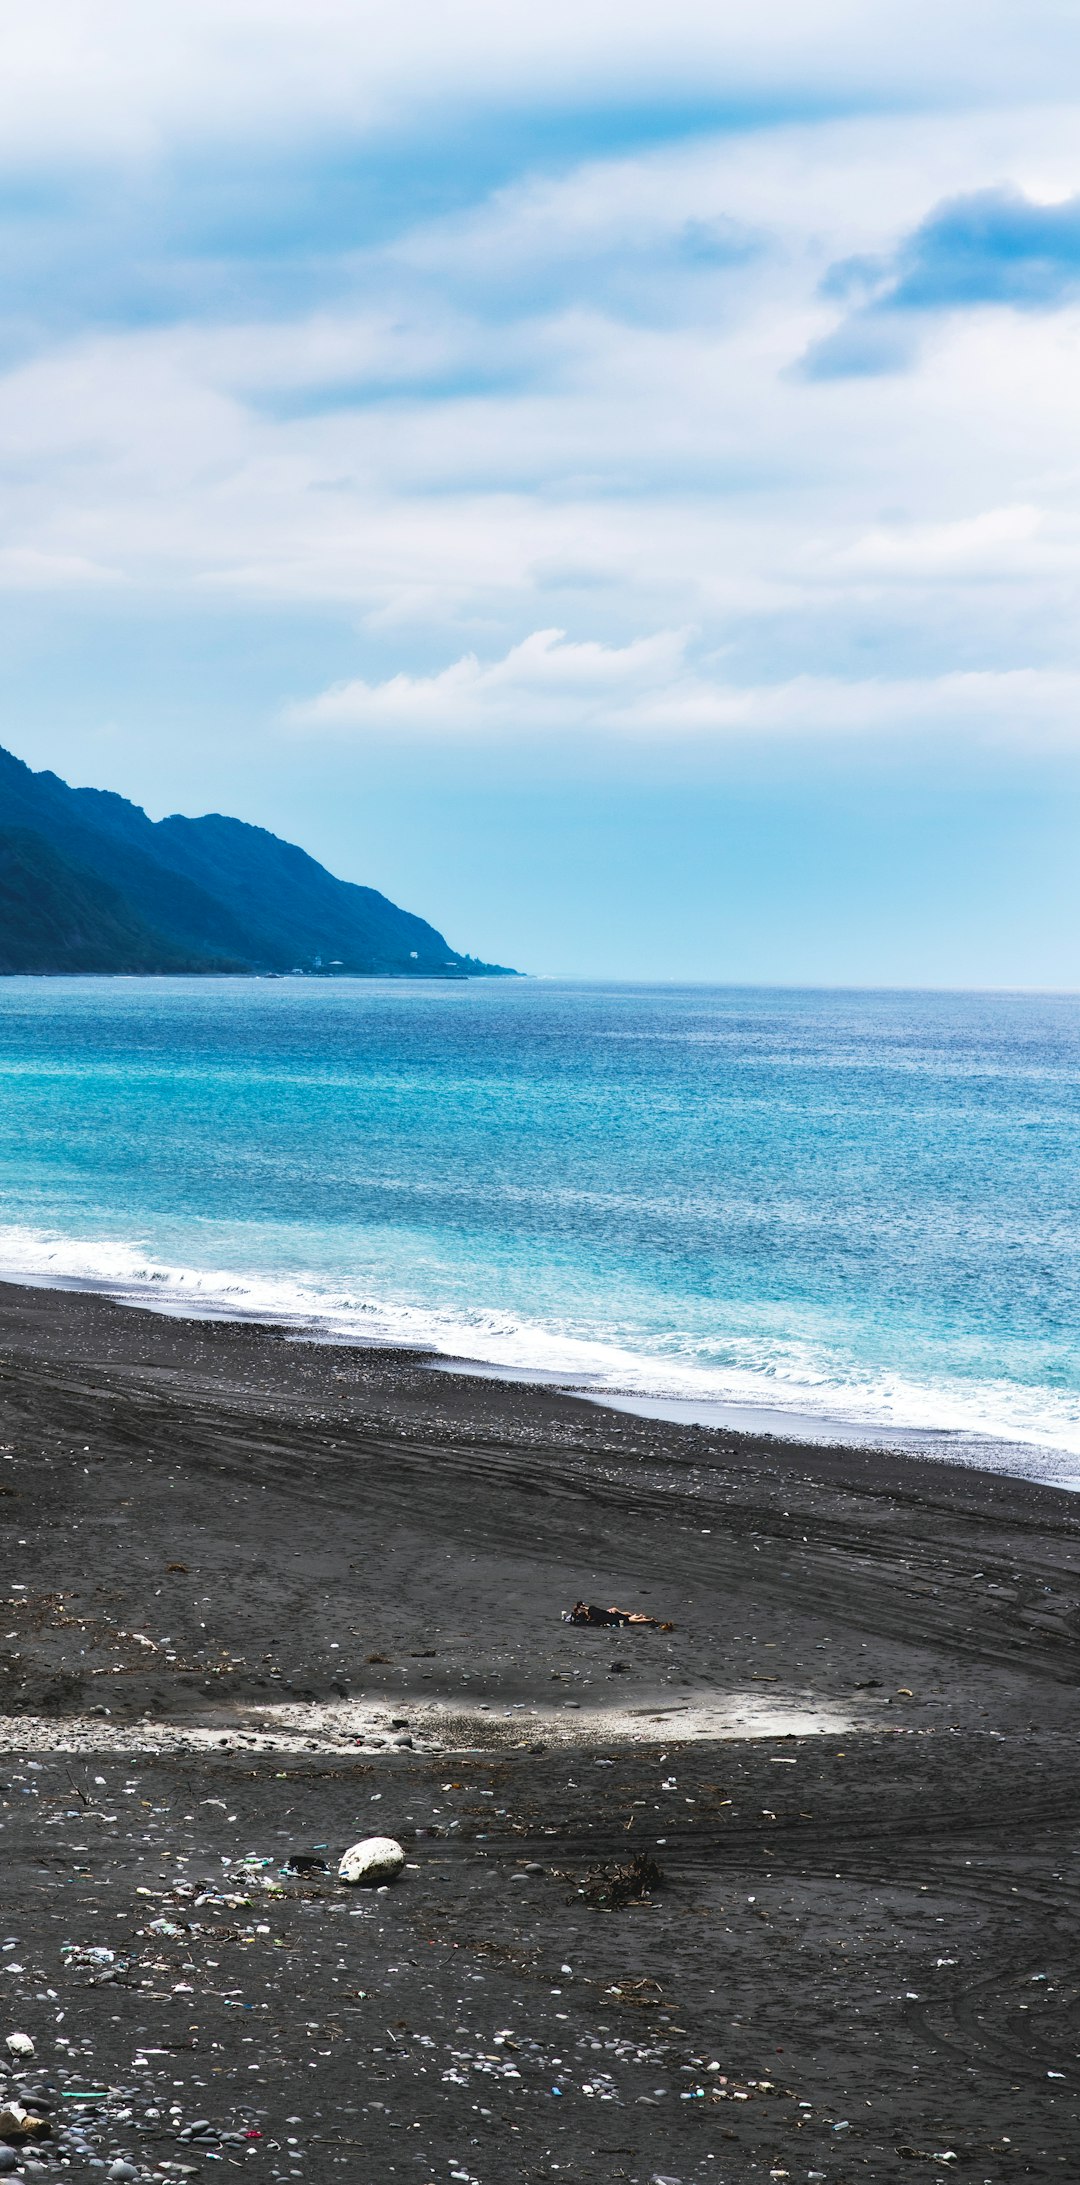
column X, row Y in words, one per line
column 89, row 883
column 54, row 917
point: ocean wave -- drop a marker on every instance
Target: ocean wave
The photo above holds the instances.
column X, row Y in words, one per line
column 781, row 1377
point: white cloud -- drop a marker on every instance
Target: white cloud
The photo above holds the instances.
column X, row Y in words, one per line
column 120, row 78
column 544, row 681
column 997, row 539
column 27, row 569
column 651, row 689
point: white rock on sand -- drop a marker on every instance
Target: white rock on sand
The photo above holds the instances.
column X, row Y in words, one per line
column 376, row 1859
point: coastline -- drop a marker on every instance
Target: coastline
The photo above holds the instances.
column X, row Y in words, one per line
column 236, row 1560
column 190, row 1294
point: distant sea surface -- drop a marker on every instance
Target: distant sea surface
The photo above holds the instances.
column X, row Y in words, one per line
column 848, row 1215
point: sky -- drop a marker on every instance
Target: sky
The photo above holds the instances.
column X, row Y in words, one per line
column 608, row 476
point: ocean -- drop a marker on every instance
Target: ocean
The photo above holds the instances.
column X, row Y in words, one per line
column 847, row 1215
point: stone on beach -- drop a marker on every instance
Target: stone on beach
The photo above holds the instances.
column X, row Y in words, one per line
column 375, row 1859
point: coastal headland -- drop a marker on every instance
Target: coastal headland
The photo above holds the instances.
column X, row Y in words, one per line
column 263, row 1597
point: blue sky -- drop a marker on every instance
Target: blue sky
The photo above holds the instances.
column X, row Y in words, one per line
column 608, row 476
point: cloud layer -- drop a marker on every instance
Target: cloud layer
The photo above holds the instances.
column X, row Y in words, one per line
column 508, row 338
column 653, row 688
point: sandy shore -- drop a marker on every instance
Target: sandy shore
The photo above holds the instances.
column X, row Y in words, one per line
column 262, row 1597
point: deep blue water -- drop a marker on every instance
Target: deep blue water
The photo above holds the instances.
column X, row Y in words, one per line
column 855, row 1206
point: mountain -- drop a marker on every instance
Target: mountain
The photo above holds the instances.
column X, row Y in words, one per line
column 89, row 883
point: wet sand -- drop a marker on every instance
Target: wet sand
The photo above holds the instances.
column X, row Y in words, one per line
column 264, row 1597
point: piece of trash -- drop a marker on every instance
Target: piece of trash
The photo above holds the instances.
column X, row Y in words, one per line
column 304, row 1862
column 642, row 1993
column 375, row 1859
column 583, row 1612
column 20, row 2044
column 610, row 1888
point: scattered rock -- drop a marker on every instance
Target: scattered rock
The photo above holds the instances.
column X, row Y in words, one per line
column 19, row 2124
column 375, row 1859
column 20, row 2044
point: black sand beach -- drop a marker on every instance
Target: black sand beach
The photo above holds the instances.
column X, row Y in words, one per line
column 263, row 1598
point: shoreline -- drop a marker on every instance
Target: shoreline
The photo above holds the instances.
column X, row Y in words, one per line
column 753, row 1417
column 265, row 1596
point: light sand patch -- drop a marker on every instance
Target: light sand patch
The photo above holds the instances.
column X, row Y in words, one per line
column 348, row 1726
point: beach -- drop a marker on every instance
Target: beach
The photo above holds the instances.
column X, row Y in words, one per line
column 265, row 1597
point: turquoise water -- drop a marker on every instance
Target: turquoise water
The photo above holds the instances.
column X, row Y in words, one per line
column 843, row 1207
